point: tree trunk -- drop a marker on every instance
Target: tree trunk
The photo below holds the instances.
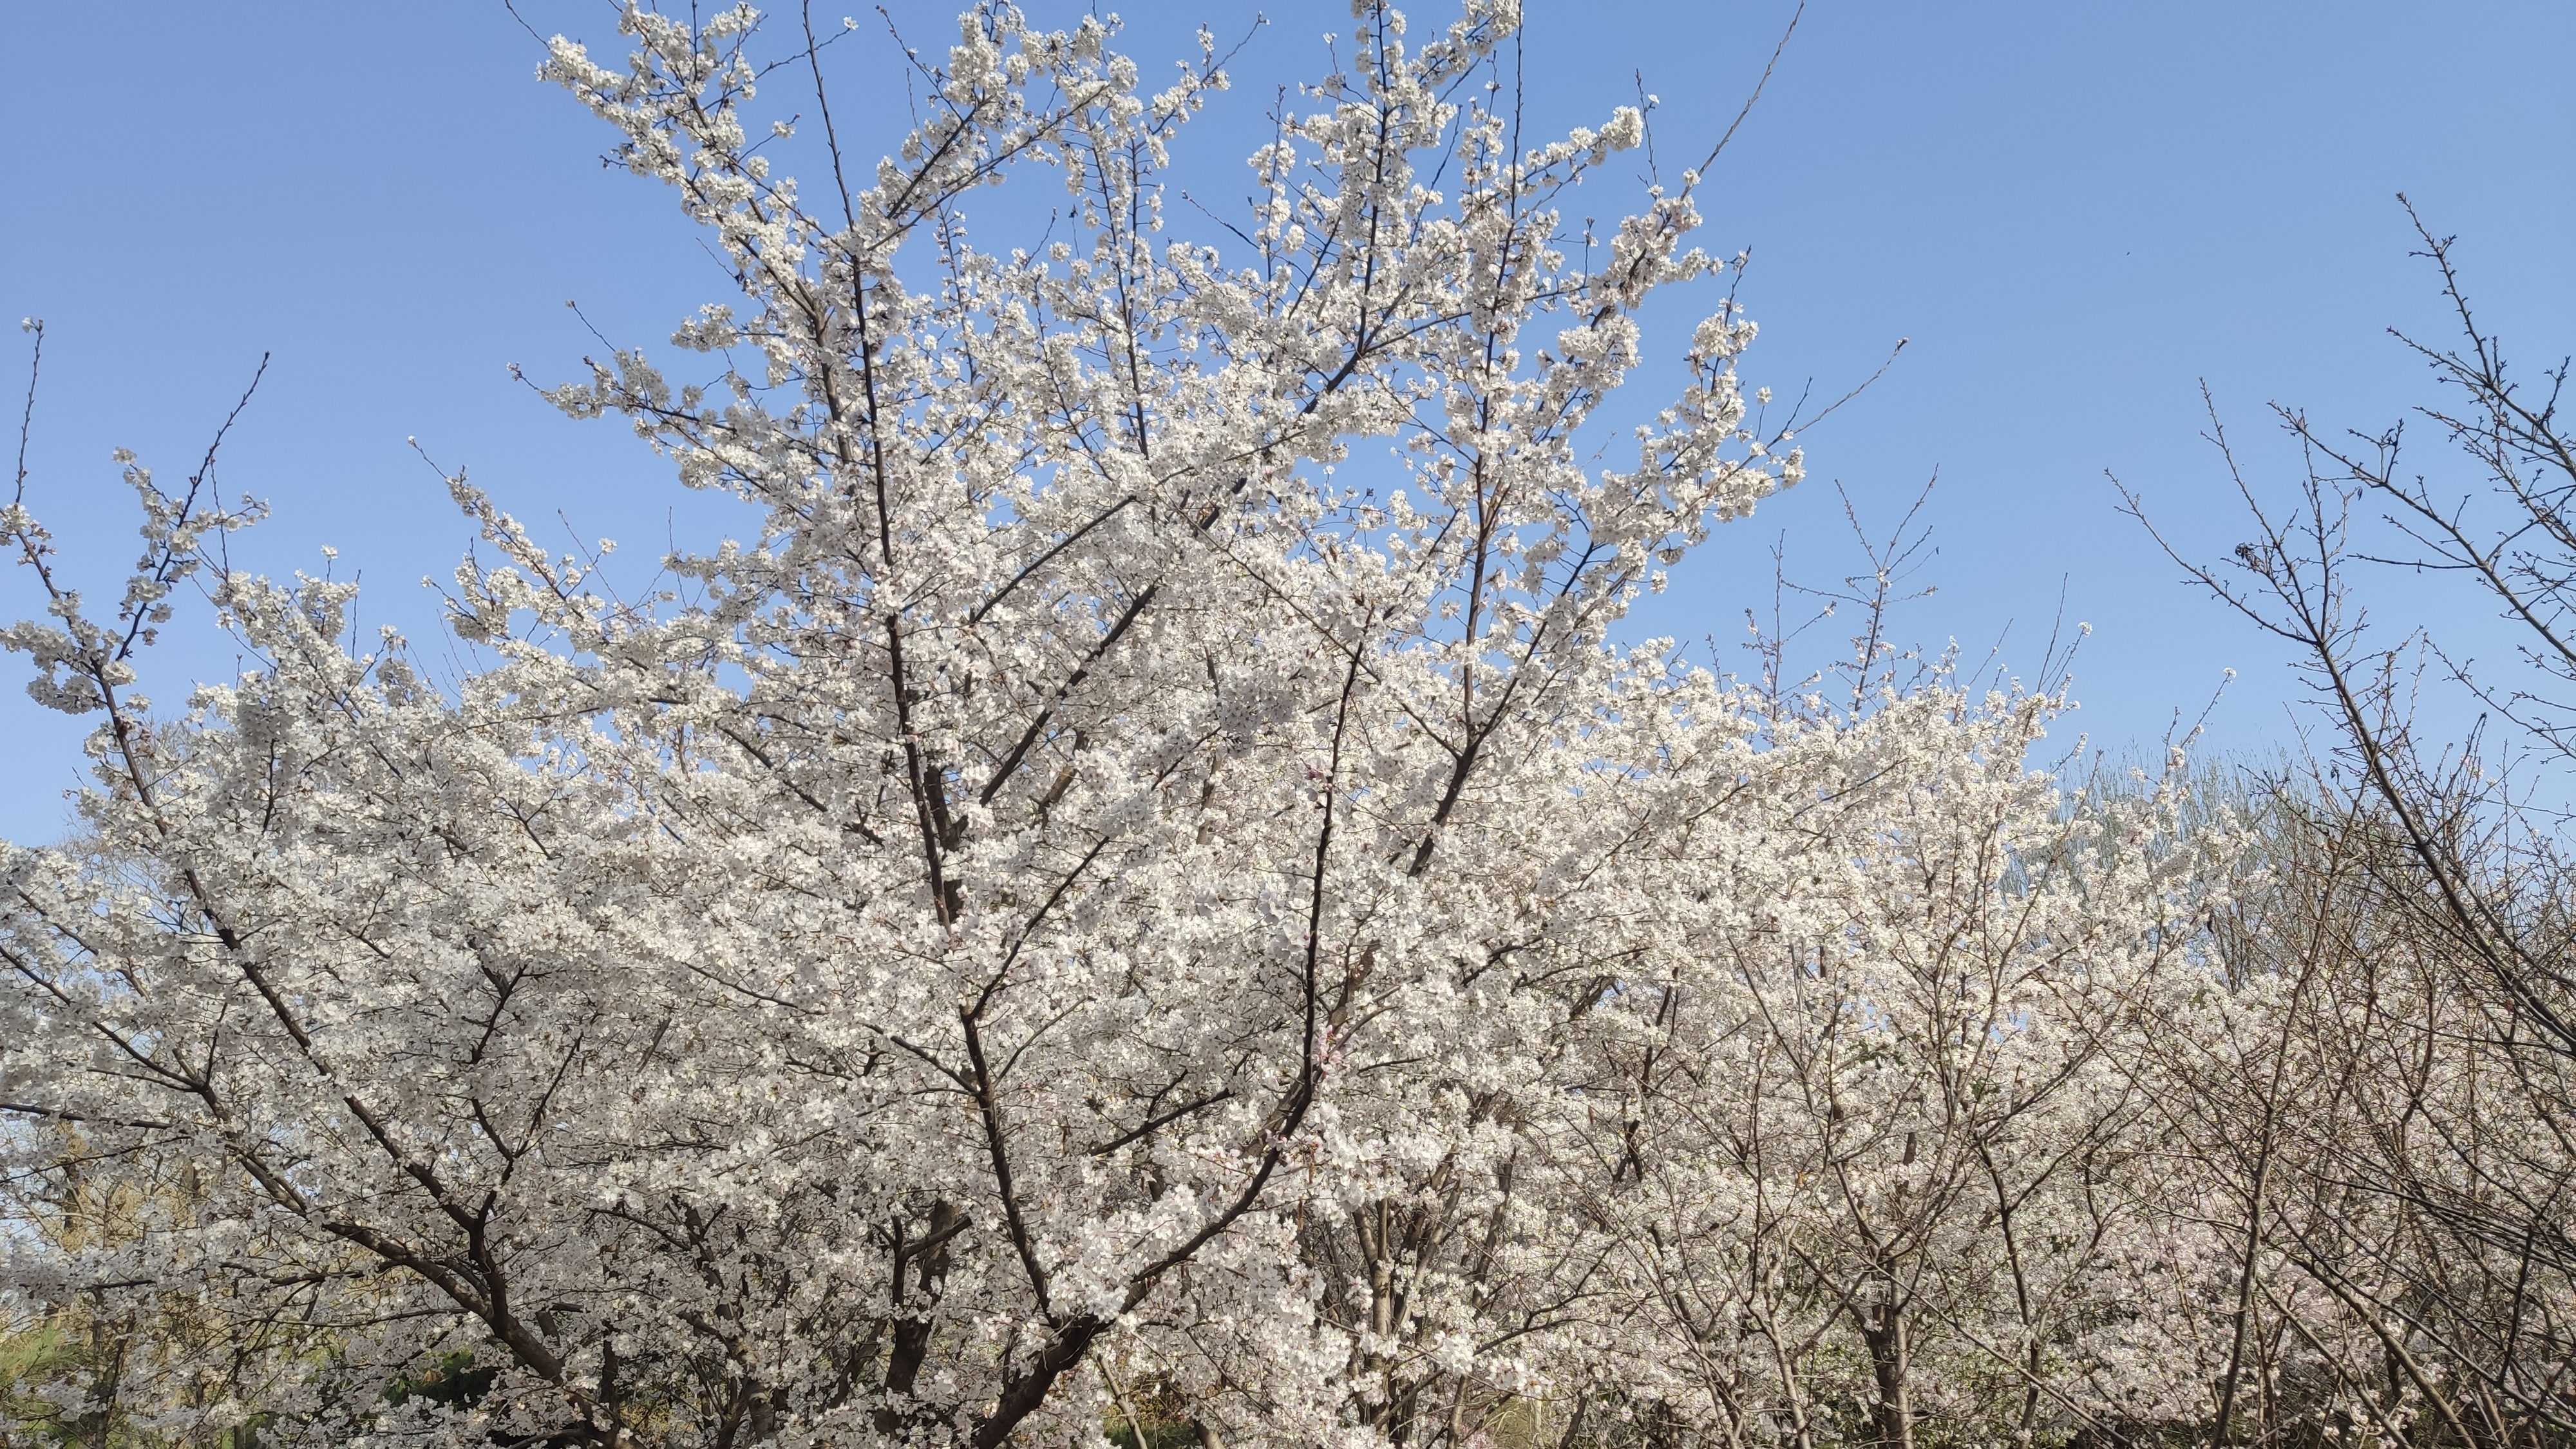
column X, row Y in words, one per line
column 1888, row 1355
column 913, row 1310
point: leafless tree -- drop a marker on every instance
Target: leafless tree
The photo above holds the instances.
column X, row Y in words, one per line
column 2424, row 1177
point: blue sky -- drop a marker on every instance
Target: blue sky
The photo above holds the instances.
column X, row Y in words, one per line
column 2075, row 213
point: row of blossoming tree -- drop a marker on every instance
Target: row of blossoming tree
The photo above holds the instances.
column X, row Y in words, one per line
column 1094, row 925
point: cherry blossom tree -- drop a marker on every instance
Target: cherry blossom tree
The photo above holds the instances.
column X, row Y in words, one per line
column 1147, row 880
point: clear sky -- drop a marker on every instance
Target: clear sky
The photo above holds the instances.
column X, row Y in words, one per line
column 2074, row 212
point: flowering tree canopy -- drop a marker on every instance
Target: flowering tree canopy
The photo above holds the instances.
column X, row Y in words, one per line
column 1093, row 909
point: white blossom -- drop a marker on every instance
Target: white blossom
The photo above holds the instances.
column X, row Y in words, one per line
column 1113, row 882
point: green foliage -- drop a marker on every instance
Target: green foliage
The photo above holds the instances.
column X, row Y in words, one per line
column 452, row 1380
column 30, row 1358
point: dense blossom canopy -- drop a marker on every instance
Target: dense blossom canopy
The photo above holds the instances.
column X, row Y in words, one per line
column 1146, row 893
